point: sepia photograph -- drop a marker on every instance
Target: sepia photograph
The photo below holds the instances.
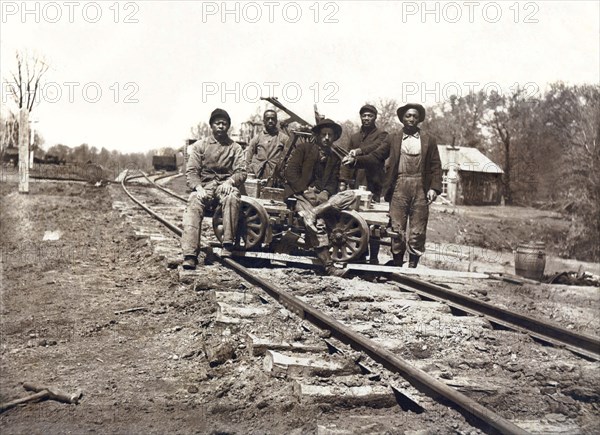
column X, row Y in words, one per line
column 300, row 217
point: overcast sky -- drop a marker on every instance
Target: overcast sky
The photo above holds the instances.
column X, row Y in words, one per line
column 137, row 75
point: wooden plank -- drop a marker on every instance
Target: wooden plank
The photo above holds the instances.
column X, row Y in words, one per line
column 279, row 364
column 242, row 312
column 234, row 297
column 273, row 257
column 259, row 346
column 226, row 320
column 377, row 396
column 417, row 271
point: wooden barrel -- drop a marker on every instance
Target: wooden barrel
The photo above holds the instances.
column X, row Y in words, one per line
column 530, row 260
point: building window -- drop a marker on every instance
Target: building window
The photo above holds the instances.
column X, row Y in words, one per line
column 445, row 183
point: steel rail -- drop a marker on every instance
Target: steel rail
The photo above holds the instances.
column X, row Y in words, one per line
column 167, row 175
column 164, row 189
column 155, row 215
column 585, row 345
column 484, row 418
column 581, row 344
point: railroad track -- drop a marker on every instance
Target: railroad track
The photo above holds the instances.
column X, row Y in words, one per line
column 378, row 342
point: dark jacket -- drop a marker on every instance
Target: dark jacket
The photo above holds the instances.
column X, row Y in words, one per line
column 374, row 168
column 300, row 170
column 431, row 167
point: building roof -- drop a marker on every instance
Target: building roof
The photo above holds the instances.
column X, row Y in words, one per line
column 467, row 159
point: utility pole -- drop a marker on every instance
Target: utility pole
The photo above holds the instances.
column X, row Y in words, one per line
column 23, row 151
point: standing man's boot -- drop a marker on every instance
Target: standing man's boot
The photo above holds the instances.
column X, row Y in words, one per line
column 374, row 244
column 325, row 257
column 413, row 260
column 397, row 260
column 190, row 262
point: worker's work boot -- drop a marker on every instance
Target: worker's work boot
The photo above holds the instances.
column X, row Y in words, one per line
column 374, row 250
column 397, row 260
column 189, row 262
column 413, row 260
column 310, row 216
column 325, row 257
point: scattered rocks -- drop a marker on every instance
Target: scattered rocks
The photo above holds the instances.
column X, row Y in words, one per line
column 192, row 389
column 220, row 354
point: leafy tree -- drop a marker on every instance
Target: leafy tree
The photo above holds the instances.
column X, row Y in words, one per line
column 459, row 121
column 572, row 118
column 61, row 151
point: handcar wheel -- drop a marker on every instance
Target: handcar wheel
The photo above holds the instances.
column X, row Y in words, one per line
column 349, row 237
column 253, row 224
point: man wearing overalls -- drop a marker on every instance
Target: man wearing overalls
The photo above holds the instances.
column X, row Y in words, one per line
column 413, row 181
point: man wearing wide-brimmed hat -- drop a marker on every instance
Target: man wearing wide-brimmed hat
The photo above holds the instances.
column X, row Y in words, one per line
column 215, row 170
column 357, row 168
column 412, row 182
column 312, row 177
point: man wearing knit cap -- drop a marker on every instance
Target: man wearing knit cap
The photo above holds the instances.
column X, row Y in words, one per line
column 357, row 168
column 215, row 170
column 266, row 147
column 312, row 175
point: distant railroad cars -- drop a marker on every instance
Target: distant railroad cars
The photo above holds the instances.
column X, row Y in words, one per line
column 165, row 163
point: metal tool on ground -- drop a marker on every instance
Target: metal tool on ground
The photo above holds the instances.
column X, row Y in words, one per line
column 42, row 393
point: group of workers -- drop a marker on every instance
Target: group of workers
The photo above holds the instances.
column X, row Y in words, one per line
column 405, row 168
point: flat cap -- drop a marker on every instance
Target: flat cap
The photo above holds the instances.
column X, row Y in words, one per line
column 368, row 108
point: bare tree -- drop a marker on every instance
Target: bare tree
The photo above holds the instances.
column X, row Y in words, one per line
column 25, row 83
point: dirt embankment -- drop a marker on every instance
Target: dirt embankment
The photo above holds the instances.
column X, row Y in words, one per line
column 140, row 372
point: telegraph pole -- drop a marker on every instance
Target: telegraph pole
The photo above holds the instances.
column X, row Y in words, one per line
column 23, row 151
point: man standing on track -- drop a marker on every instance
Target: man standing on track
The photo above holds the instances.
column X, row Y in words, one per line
column 215, row 170
column 412, row 182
